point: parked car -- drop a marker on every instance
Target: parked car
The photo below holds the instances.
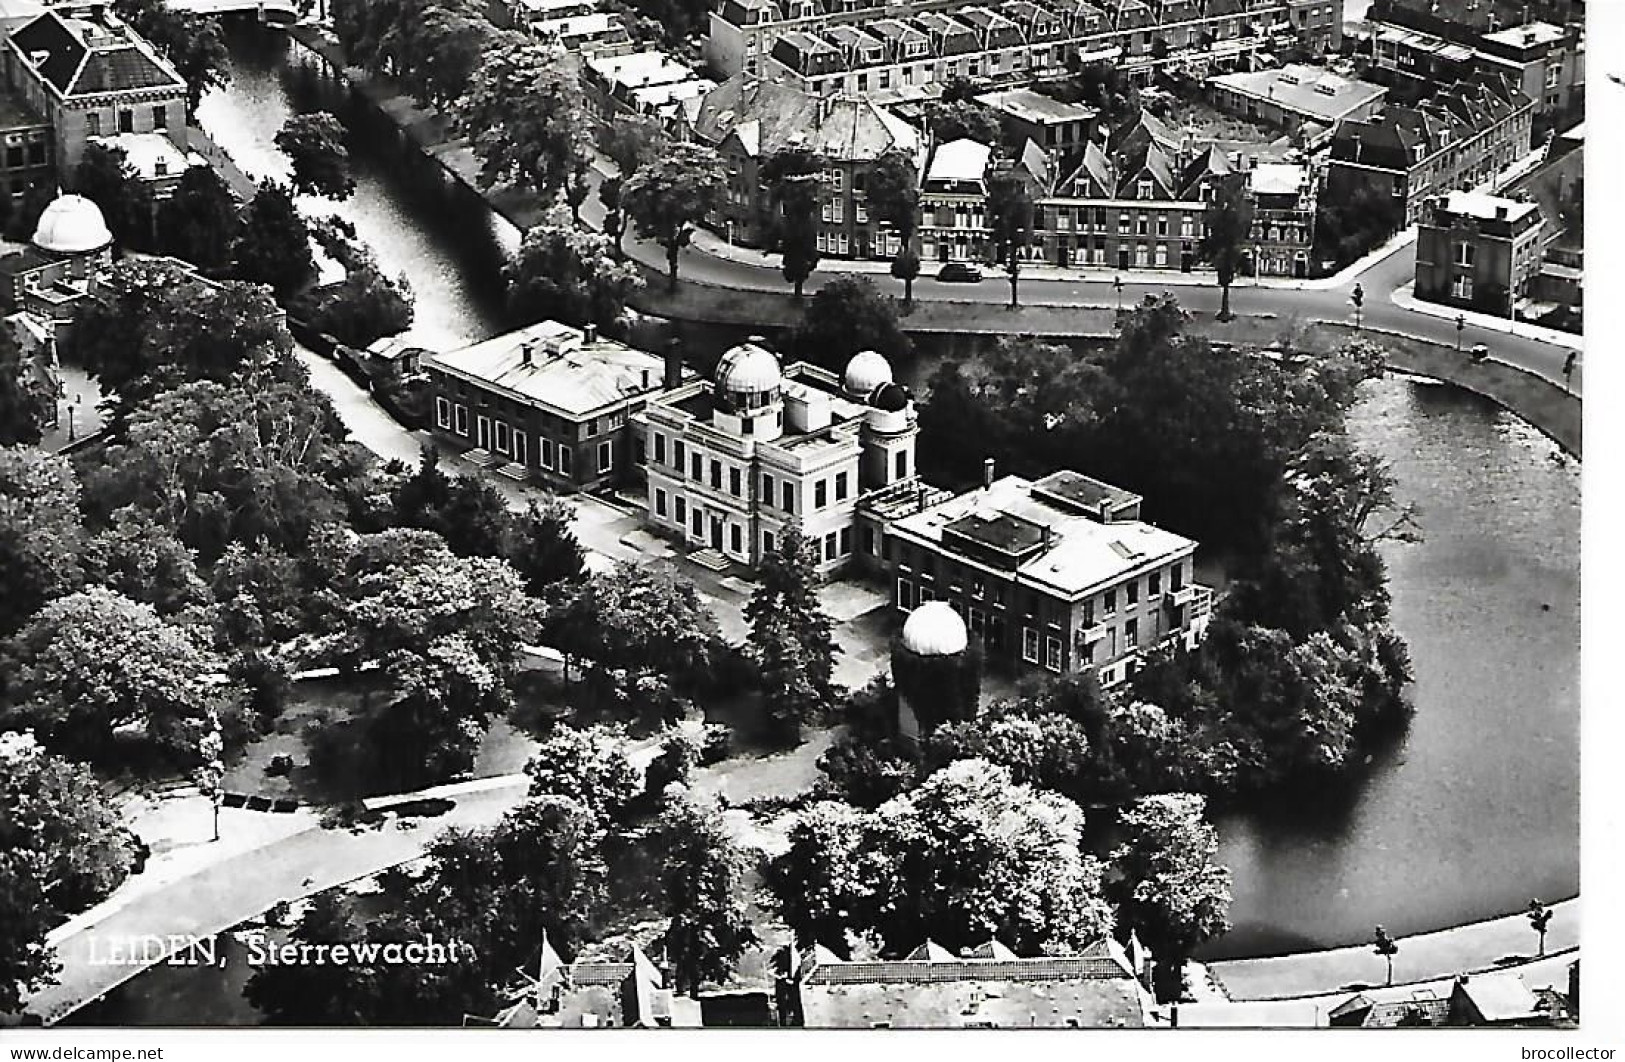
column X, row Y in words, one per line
column 959, row 272
column 1479, row 352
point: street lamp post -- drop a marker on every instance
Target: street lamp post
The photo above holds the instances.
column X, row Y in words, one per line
column 1117, row 286
column 1461, row 326
column 1357, row 296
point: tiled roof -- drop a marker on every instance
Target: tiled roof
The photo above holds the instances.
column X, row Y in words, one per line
column 80, row 57
column 841, row 128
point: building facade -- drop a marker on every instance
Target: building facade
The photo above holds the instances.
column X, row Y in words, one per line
column 1013, row 40
column 1479, row 252
column 90, row 75
column 1457, row 140
column 1284, row 199
column 1058, row 574
column 731, row 463
column 548, row 402
column 748, row 119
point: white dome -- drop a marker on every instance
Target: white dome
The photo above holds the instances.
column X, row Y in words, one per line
column 934, row 629
column 866, row 371
column 72, row 224
column 750, row 369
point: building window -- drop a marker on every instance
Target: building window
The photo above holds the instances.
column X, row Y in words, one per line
column 767, row 489
column 93, row 124
column 677, row 455
column 734, row 539
column 767, row 542
column 660, row 448
column 1131, row 633
column 905, row 594
column 1029, row 645
column 699, row 523
column 503, row 446
column 460, row 419
column 1155, row 581
column 829, row 546
column 1461, row 288
column 126, row 121
column 521, row 452
column 566, row 460
column 606, row 457
column 846, row 541
column 840, row 486
column 442, row 413
column 660, row 502
column 789, row 498
column 820, row 494
column 1089, row 613
column 869, row 541
column 1133, row 591
column 547, row 454
column 733, row 482
column 160, row 117
column 1465, row 252
column 1052, row 653
column 698, row 468
column 902, row 464
column 716, row 474
column 1109, row 605
column 679, row 509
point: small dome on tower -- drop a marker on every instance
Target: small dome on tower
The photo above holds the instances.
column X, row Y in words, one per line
column 934, row 629
column 749, row 368
column 866, row 371
column 889, row 397
column 72, row 224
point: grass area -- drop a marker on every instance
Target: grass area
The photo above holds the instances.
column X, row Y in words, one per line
column 1205, row 122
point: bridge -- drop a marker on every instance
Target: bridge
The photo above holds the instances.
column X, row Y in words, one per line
column 279, row 13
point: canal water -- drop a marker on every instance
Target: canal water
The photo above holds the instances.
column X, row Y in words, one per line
column 1471, row 815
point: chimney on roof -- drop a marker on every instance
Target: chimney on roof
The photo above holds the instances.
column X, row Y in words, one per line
column 674, row 364
column 526, row 349
column 987, row 472
column 589, row 333
column 1500, row 212
column 38, row 57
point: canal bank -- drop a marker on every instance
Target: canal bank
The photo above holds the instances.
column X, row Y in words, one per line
column 1488, row 602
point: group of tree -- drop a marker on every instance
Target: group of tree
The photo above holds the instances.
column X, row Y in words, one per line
column 1348, row 226
column 434, row 47
column 847, row 315
column 563, row 272
column 367, row 304
column 667, row 198
column 793, row 180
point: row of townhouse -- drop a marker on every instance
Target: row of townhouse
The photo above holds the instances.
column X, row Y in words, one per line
column 577, row 26
column 829, row 46
column 1137, row 203
column 1458, row 139
column 648, row 84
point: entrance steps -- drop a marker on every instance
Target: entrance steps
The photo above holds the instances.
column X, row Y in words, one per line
column 709, row 559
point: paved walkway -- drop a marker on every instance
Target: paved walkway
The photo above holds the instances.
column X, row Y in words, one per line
column 1424, row 957
column 1405, row 298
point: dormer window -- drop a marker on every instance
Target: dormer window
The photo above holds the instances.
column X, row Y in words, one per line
column 1145, row 190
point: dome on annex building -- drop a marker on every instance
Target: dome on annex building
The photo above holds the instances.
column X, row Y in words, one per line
column 866, row 371
column 749, row 368
column 72, row 224
column 934, row 629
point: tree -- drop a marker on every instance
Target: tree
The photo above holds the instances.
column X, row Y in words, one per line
column 1170, row 889
column 273, row 246
column 105, row 177
column 199, row 222
column 1540, row 916
column 565, row 273
column 632, row 142
column 793, row 179
column 456, row 37
column 589, row 767
column 22, row 401
column 314, row 143
column 1385, row 946
column 360, row 309
column 523, row 118
column 62, row 849
column 94, row 662
column 346, row 994
column 817, row 883
column 702, row 878
column 145, row 562
column 846, row 315
column 790, row 697
column 646, row 633
column 549, row 552
column 41, row 537
column 894, row 199
column 193, row 44
column 673, row 765
column 667, row 198
column 151, row 325
column 961, row 119
column 1010, row 222
column 786, row 594
column 25, row 219
column 1227, row 225
column 966, row 857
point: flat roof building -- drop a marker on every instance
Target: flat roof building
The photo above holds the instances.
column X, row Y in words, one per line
column 1296, row 93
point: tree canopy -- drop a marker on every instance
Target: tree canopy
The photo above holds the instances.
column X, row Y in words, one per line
column 848, row 314
column 668, row 197
column 569, row 274
column 314, row 143
column 523, row 117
